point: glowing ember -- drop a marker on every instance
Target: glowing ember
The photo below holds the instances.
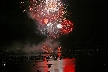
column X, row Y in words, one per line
column 45, row 21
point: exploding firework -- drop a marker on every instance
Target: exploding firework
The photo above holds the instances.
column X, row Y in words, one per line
column 50, row 15
column 67, row 26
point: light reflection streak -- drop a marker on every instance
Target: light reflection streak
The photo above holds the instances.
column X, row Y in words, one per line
column 64, row 65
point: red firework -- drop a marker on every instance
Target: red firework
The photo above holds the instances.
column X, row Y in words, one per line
column 67, row 26
column 50, row 17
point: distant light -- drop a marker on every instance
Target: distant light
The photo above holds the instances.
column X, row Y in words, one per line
column 4, row 64
column 97, row 50
column 22, row 2
column 24, row 10
column 88, row 54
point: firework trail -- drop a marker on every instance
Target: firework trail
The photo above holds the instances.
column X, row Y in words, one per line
column 50, row 16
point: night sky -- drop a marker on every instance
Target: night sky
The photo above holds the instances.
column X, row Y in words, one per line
column 88, row 16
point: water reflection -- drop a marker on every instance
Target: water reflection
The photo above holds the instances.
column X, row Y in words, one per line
column 39, row 63
column 59, row 65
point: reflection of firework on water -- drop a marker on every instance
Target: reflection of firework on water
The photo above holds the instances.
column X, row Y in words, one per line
column 50, row 15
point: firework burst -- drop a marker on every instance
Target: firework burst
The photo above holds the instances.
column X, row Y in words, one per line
column 50, row 15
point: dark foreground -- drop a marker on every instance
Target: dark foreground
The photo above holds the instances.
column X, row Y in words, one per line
column 52, row 63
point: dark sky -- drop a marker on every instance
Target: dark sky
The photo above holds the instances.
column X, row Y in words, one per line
column 88, row 16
